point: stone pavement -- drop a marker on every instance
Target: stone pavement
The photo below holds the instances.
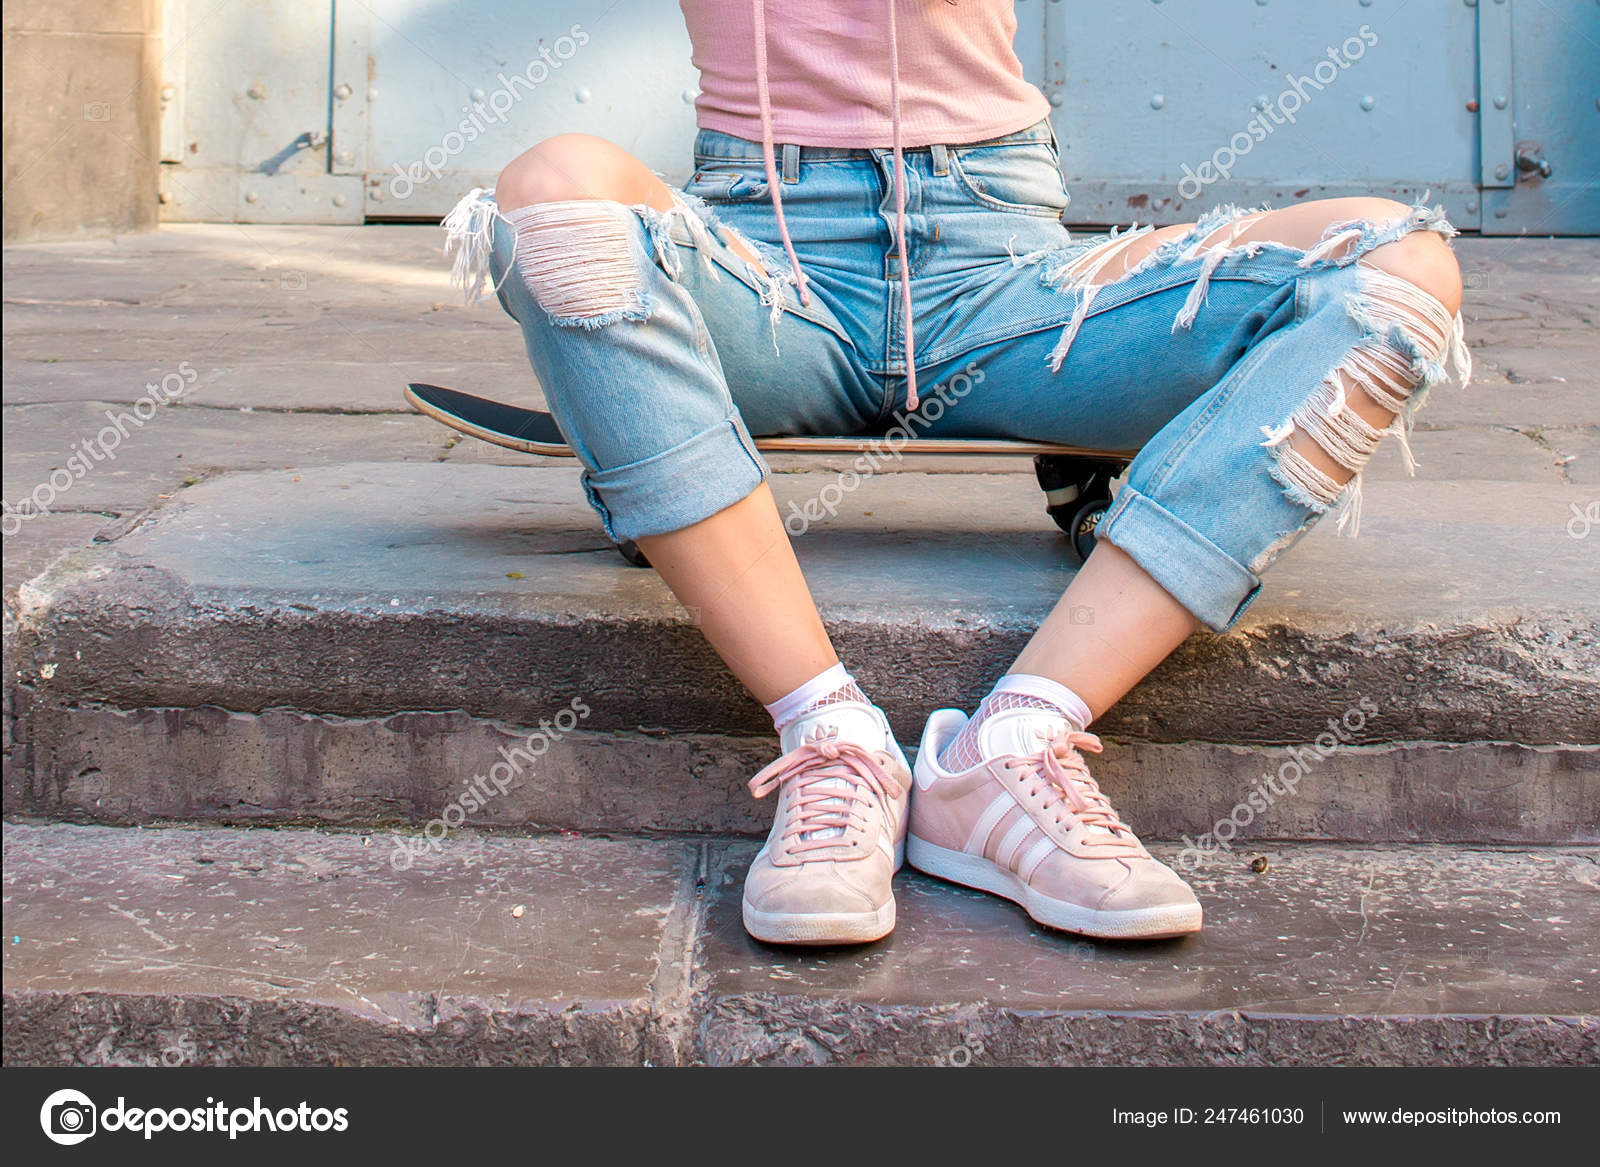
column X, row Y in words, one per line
column 301, row 948
column 288, row 602
column 291, row 329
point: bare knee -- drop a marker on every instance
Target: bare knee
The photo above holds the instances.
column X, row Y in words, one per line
column 1421, row 258
column 577, row 166
column 1424, row 260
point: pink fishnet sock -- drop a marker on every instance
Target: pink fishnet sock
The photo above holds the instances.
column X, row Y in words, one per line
column 963, row 753
column 849, row 691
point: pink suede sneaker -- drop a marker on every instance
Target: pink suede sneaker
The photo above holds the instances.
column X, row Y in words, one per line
column 824, row 875
column 1029, row 823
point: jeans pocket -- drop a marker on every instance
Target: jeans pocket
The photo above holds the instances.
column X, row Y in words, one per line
column 1020, row 177
column 720, row 181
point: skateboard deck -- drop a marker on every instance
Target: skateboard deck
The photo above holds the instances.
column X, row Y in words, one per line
column 1076, row 480
column 534, row 431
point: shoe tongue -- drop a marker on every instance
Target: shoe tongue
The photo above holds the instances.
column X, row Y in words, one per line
column 1020, row 731
column 854, row 722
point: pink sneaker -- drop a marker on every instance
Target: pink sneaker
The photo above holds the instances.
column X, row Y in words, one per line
column 824, row 875
column 1029, row 823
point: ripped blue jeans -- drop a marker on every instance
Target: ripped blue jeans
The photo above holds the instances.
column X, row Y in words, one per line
column 662, row 347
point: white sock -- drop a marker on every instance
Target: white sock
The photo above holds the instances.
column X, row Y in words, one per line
column 1014, row 691
column 829, row 687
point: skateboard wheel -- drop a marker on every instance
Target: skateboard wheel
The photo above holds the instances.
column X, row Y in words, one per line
column 629, row 550
column 1086, row 525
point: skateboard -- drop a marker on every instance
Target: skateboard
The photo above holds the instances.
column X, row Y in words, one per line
column 1076, row 480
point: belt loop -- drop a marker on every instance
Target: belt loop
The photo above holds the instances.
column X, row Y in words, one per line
column 941, row 160
column 791, row 162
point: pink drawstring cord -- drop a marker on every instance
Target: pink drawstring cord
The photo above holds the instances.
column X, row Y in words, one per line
column 758, row 10
column 769, row 159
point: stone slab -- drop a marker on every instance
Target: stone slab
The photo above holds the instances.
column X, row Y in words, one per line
column 1466, row 612
column 298, row 948
column 212, row 765
column 1331, row 956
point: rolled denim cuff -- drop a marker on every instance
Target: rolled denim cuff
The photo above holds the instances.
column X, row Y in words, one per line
column 1197, row 573
column 676, row 488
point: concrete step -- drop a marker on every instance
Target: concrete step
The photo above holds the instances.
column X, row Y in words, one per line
column 357, row 643
column 294, row 947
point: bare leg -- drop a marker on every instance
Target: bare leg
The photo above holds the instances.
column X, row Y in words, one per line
column 1111, row 627
column 1115, row 623
column 736, row 570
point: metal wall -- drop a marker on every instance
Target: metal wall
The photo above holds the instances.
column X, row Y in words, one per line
column 340, row 110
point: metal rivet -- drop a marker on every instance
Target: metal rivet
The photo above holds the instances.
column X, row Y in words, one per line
column 252, row 197
column 256, row 92
column 342, row 91
column 1502, row 171
column 372, row 94
column 1369, row 103
column 1501, row 213
column 688, row 96
column 1472, row 207
column 1500, row 102
column 338, row 200
column 478, row 95
column 1057, row 100
column 583, row 95
column 1157, row 101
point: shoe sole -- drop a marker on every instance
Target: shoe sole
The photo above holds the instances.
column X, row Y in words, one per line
column 824, row 928
column 820, row 928
column 1157, row 923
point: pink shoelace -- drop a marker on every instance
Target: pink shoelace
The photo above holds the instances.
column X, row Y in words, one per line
column 1065, row 774
column 758, row 10
column 816, row 768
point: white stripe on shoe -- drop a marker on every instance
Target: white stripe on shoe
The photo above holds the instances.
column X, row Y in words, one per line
column 1033, row 858
column 996, row 810
column 1009, row 845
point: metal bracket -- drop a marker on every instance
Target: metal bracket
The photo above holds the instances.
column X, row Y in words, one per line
column 350, row 87
column 1497, row 131
column 173, row 14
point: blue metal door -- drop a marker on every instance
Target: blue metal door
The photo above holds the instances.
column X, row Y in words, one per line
column 1163, row 107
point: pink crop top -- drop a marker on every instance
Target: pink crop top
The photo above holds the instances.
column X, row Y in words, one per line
column 828, row 71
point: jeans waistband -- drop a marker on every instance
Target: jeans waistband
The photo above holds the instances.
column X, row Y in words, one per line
column 731, row 148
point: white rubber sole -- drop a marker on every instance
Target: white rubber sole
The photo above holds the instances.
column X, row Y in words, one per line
column 1156, row 923
column 820, row 927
